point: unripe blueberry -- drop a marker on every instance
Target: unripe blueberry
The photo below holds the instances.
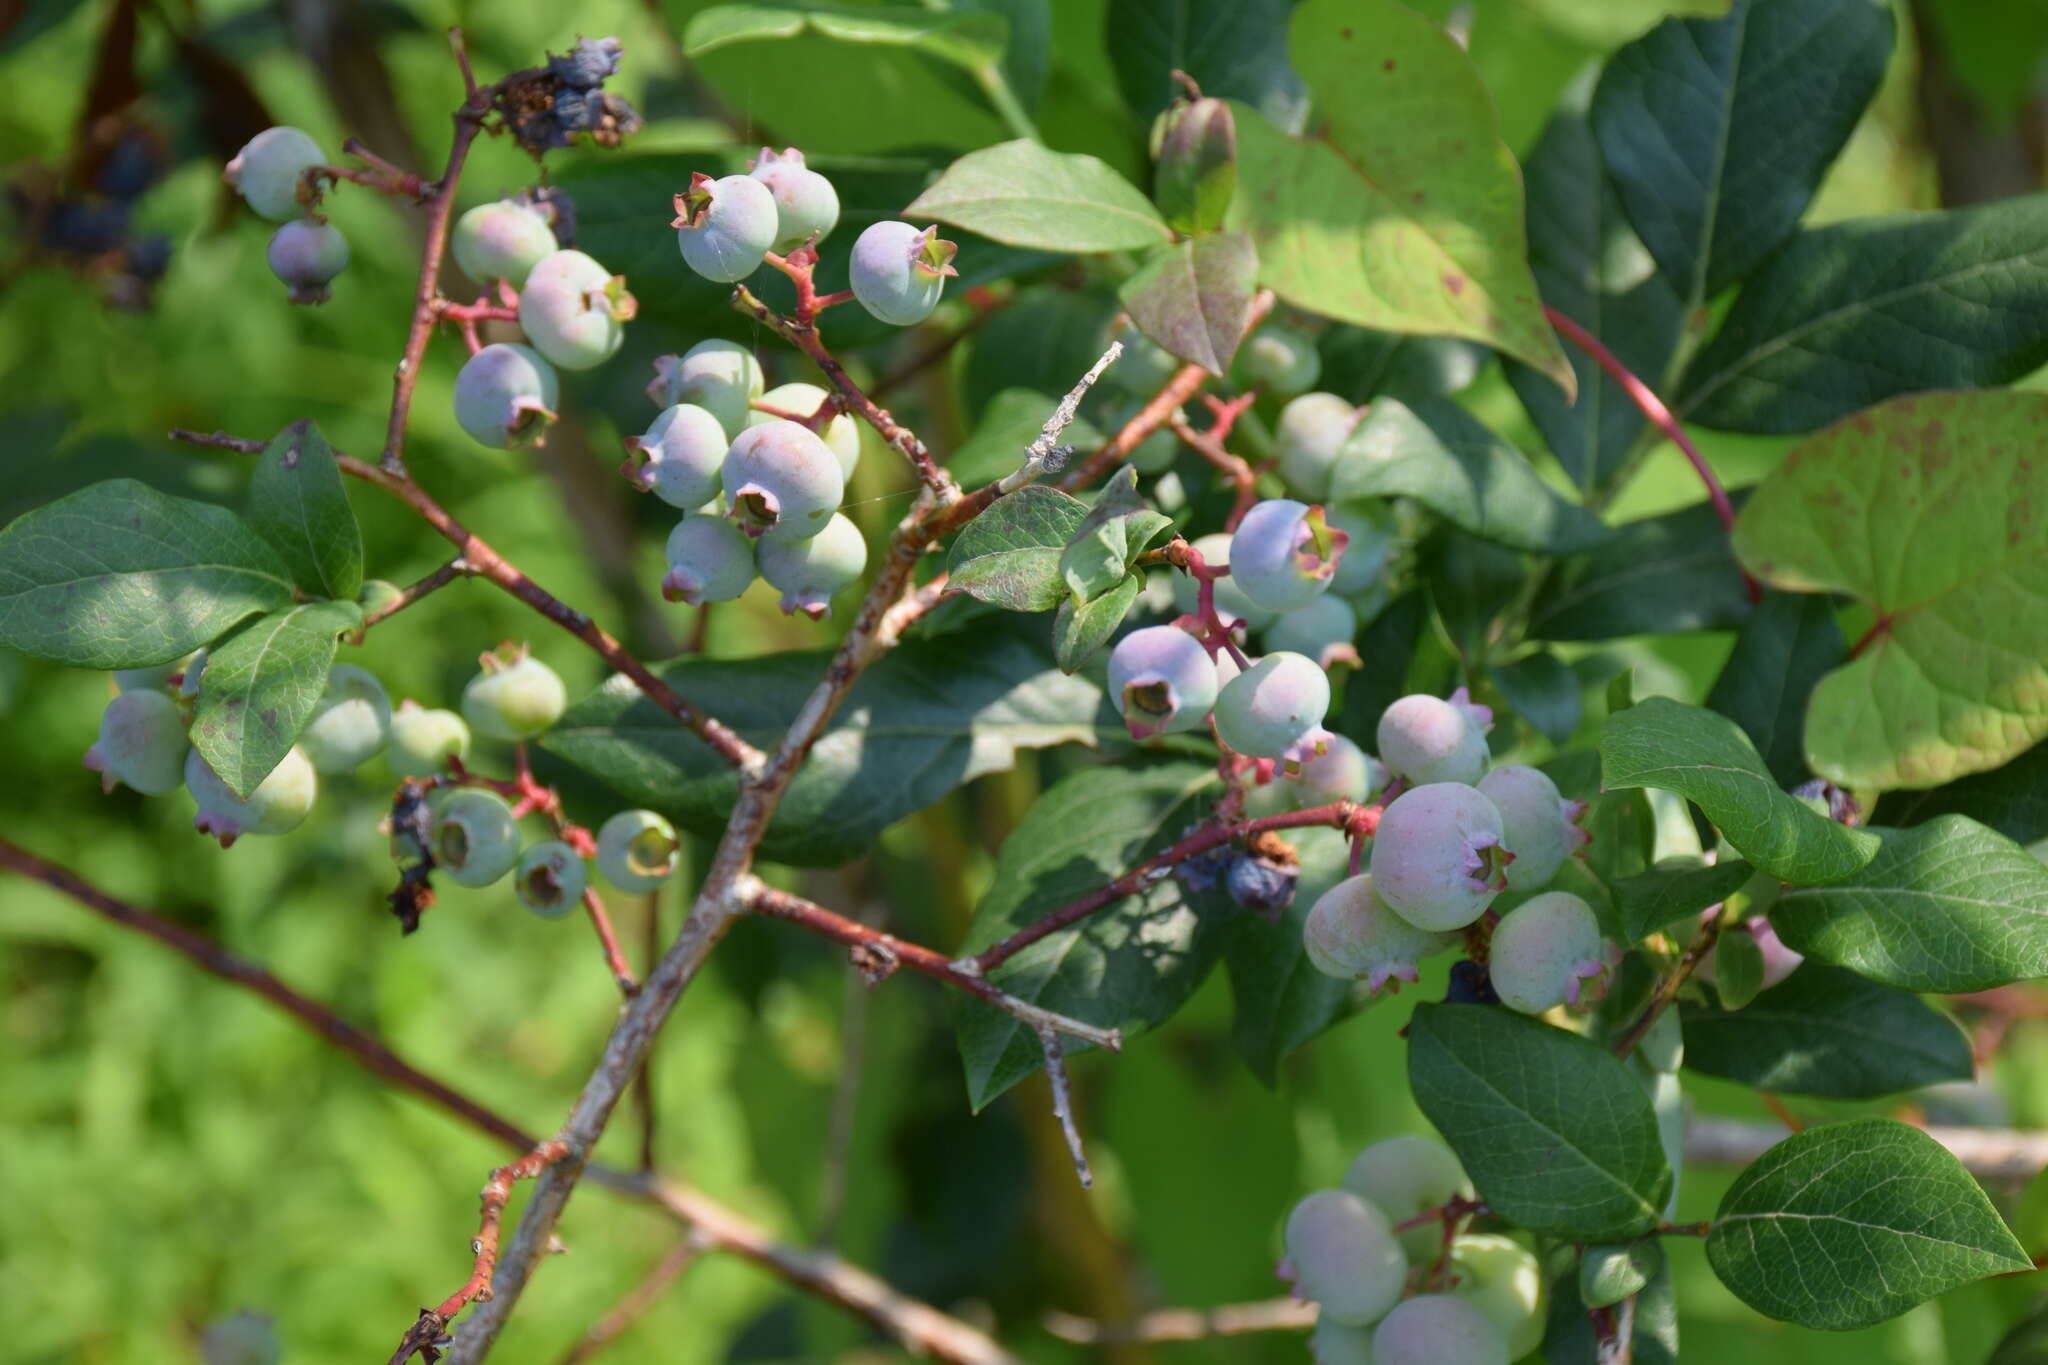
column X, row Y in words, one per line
column 1437, row 855
column 1503, row 1280
column 422, row 741
column 267, row 171
column 726, row 226
column 1322, row 630
column 1352, row 935
column 1406, row 1176
column 573, row 310
column 476, row 836
column 1143, row 368
column 1370, row 526
column 506, row 396
column 809, row 572
column 1427, row 739
column 1342, row 1253
column 780, row 479
column 156, row 678
column 1438, row 1329
column 350, row 723
column 501, row 241
column 1162, row 681
column 1310, row 437
column 722, row 377
column 1231, row 603
column 550, row 879
column 898, row 272
column 307, row 253
column 709, row 560
column 842, row 433
column 378, row 595
column 636, row 850
column 1280, row 359
column 679, row 457
column 1537, row 823
column 1275, row 708
column 278, row 804
column 515, row 697
column 1547, row 952
column 1332, row 1343
column 805, row 202
column 1155, row 454
column 1283, row 553
column 142, row 743
column 1342, row 772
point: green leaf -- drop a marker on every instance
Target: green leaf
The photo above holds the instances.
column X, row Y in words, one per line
column 1665, row 895
column 296, row 502
column 1556, row 1134
column 1657, row 576
column 1947, row 906
column 1117, row 529
column 1828, row 1032
column 2012, row 800
column 1591, row 267
column 1081, row 628
column 1194, row 297
column 1235, row 50
column 118, row 575
column 1128, row 965
column 1709, row 761
column 1442, row 456
column 1716, row 132
column 1404, row 213
column 1278, row 999
column 931, row 714
column 1917, row 508
column 1849, row 1224
column 260, row 686
column 1544, row 691
column 1024, row 194
column 1045, row 340
column 1009, row 556
column 1608, row 1274
column 1364, row 364
column 1738, row 967
column 1856, row 312
column 2025, row 1344
column 963, row 38
column 1789, row 642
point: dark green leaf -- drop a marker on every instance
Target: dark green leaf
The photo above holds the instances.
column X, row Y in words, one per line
column 931, row 714
column 1010, row 555
column 1110, row 538
column 1716, row 132
column 1079, row 630
column 1129, row 965
column 1919, row 507
column 1591, row 267
column 1665, row 895
column 1857, row 312
column 1658, row 576
column 1391, row 643
column 1738, row 968
column 1473, row 585
column 1236, row 49
column 1828, row 1032
column 1363, row 364
column 1024, row 194
column 1045, row 340
column 118, row 575
column 1194, row 297
column 1852, row 1223
column 1196, row 172
column 1556, row 1134
column 1568, row 1337
column 2012, row 800
column 1278, row 999
column 1442, row 456
column 2026, row 1344
column 260, row 686
column 1947, row 906
column 296, row 502
column 1543, row 691
column 1403, row 212
column 1705, row 758
column 1786, row 646
column 964, row 39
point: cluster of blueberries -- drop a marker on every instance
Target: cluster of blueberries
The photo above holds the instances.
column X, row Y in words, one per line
column 1390, row 1295
column 307, row 252
column 472, row 832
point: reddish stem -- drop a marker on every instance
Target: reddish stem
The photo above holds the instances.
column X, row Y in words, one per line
column 1878, row 629
column 433, row 582
column 614, row 956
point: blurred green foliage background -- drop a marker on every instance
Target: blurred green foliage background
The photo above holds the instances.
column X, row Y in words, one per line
column 173, row 1151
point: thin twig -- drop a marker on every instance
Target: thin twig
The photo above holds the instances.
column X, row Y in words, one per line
column 635, row 1302
column 1041, row 456
column 1063, row 1103
column 433, row 582
column 1186, row 1324
column 608, row 938
column 1667, row 989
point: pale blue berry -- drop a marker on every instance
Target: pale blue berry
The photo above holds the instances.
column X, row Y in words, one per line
column 781, row 480
column 1309, row 439
column 550, row 879
column 1404, row 1177
column 1428, row 739
column 267, row 171
column 898, row 271
column 142, row 743
column 515, row 697
column 1162, row 681
column 722, row 377
column 1372, row 537
column 506, row 395
column 806, row 205
column 808, row 572
column 421, row 741
column 279, row 803
column 1437, row 855
column 709, row 560
column 636, row 850
column 1438, row 1329
column 306, row 254
column 1333, row 1343
column 574, row 311
column 476, row 836
column 1540, row 827
column 1279, row 359
column 1351, row 934
column 1323, row 630
column 1275, row 708
column 725, row 227
column 1547, row 952
column 501, row 241
column 842, row 433
column 1342, row 1253
column 350, row 723
column 679, row 458
column 1283, row 553
column 1342, row 772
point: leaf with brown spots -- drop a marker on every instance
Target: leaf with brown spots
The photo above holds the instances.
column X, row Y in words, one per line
column 1933, row 510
